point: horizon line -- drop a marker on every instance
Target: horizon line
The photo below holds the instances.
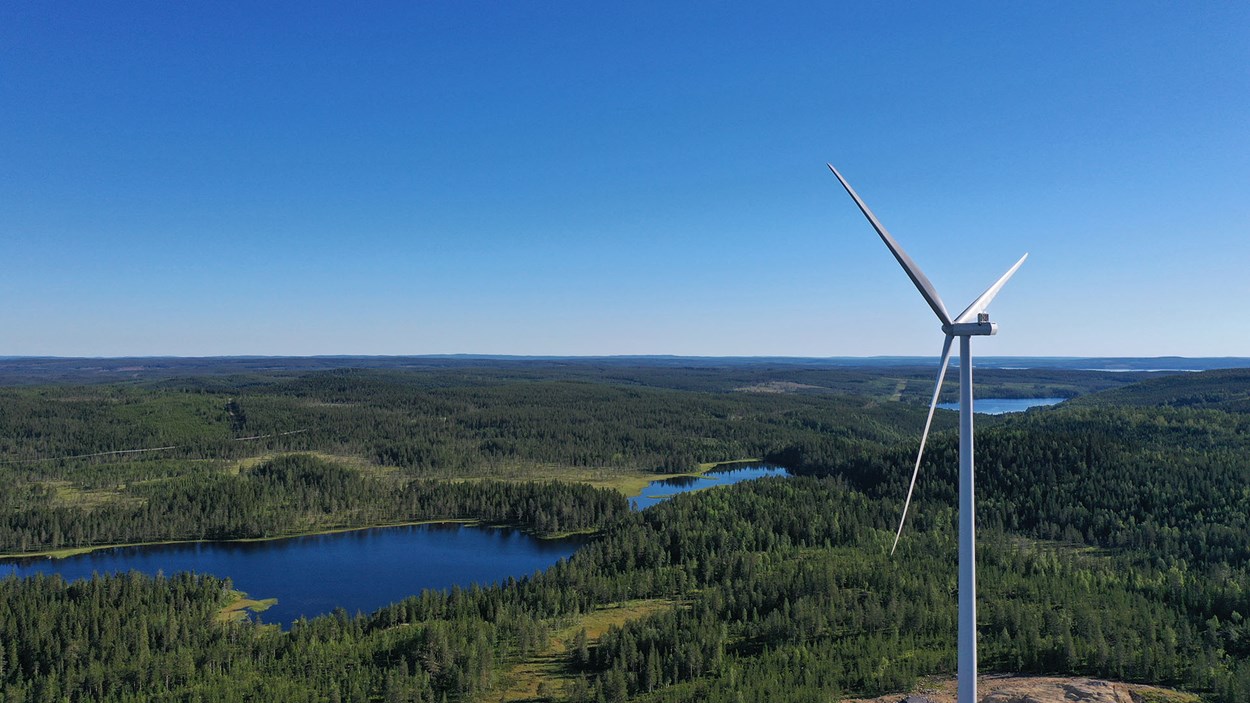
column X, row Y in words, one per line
column 473, row 355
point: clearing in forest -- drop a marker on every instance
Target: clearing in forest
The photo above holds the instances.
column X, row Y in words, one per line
column 551, row 668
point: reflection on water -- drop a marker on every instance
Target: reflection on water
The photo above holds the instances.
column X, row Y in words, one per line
column 678, row 482
column 657, row 491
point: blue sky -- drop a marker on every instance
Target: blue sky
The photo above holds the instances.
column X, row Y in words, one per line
column 634, row 178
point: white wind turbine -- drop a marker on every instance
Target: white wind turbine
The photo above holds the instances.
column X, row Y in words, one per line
column 973, row 321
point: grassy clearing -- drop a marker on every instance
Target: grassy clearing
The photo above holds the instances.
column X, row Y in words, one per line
column 240, row 606
column 1150, row 694
column 599, row 477
column 551, row 667
column 779, row 387
column 59, row 553
column 633, row 483
column 354, row 463
column 630, row 482
column 66, row 494
column 898, row 391
column 568, row 533
column 604, row 617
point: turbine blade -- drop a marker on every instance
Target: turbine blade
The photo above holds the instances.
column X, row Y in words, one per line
column 913, row 271
column 946, row 357
column 980, row 304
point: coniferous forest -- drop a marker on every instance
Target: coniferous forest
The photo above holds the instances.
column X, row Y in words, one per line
column 1114, row 532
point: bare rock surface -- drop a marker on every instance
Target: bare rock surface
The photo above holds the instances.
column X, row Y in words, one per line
column 1038, row 689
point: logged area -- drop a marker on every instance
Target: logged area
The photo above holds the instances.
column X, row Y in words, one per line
column 1114, row 532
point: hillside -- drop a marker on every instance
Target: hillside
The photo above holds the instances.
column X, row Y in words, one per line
column 1222, row 389
column 1113, row 543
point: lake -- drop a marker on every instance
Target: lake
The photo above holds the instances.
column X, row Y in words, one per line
column 358, row 570
column 998, row 406
column 361, row 569
column 657, row 491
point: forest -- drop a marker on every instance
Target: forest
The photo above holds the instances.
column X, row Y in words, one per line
column 1114, row 535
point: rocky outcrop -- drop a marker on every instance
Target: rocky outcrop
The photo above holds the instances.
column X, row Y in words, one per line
column 1040, row 689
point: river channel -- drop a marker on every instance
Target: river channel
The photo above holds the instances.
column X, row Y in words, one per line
column 361, row 569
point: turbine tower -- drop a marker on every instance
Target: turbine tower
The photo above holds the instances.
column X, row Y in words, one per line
column 972, row 322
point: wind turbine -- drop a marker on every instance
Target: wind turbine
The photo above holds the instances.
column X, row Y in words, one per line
column 972, row 322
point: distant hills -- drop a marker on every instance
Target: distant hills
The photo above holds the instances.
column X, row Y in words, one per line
column 1218, row 389
column 17, row 370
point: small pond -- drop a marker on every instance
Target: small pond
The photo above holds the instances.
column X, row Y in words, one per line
column 657, row 491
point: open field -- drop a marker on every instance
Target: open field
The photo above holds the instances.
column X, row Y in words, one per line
column 552, row 669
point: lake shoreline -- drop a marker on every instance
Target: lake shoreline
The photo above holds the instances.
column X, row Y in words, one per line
column 77, row 551
column 642, row 482
column 361, row 568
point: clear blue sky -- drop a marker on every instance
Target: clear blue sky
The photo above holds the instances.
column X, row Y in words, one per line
column 635, row 178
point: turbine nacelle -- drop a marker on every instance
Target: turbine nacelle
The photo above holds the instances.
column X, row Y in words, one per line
column 971, row 329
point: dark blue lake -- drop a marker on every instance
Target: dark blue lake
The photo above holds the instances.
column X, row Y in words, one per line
column 361, row 569
column 358, row 570
column 998, row 406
